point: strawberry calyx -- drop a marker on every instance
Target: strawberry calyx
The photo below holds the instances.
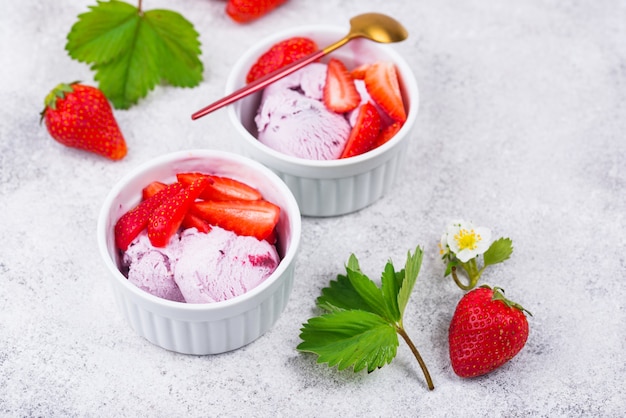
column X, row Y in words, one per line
column 498, row 294
column 59, row 92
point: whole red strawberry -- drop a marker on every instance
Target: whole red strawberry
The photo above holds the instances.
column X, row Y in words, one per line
column 80, row 116
column 244, row 11
column 486, row 331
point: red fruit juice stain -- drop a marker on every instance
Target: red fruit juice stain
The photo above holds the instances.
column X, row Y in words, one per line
column 262, row 260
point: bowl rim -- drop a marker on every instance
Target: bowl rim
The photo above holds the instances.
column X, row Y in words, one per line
column 294, row 219
column 277, row 158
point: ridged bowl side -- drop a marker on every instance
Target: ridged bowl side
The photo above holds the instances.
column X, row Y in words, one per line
column 320, row 197
column 202, row 337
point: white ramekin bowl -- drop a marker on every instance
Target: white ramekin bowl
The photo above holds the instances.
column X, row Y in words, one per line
column 336, row 187
column 213, row 327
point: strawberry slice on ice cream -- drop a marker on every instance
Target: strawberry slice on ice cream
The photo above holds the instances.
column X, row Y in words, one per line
column 135, row 220
column 281, row 54
column 364, row 133
column 222, row 188
column 381, row 81
column 256, row 218
column 152, row 189
column 165, row 220
column 340, row 93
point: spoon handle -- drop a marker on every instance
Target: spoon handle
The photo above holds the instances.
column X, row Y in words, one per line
column 260, row 83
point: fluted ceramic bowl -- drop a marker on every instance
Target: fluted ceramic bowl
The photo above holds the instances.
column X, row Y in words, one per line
column 331, row 187
column 208, row 328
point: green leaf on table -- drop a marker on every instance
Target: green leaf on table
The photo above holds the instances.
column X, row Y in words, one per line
column 102, row 34
column 177, row 47
column 411, row 271
column 132, row 51
column 350, row 338
column 499, row 251
column 340, row 295
column 362, row 322
column 371, row 294
column 391, row 282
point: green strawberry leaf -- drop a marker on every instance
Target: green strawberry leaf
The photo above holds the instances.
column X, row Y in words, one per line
column 178, row 47
column 450, row 265
column 350, row 338
column 123, row 81
column 362, row 323
column 132, row 51
column 340, row 295
column 499, row 251
column 371, row 294
column 100, row 36
column 391, row 283
column 412, row 270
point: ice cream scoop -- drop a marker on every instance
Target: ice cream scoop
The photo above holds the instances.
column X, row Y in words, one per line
column 292, row 117
column 373, row 26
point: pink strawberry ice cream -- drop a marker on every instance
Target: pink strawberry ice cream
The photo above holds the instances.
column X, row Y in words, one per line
column 293, row 119
column 151, row 269
column 200, row 267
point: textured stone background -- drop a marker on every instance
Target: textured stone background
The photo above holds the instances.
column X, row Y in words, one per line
column 521, row 129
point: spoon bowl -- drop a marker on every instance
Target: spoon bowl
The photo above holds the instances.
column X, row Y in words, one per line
column 373, row 26
column 376, row 27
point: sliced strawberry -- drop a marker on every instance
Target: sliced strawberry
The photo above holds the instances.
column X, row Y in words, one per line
column 381, row 81
column 135, row 220
column 256, row 218
column 272, row 238
column 152, row 189
column 281, row 54
column 222, row 188
column 358, row 73
column 387, row 132
column 364, row 133
column 192, row 221
column 165, row 220
column 340, row 93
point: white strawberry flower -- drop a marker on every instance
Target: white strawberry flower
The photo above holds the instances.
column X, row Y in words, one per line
column 462, row 244
column 465, row 240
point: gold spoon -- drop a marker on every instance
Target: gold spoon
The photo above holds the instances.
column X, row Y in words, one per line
column 373, row 26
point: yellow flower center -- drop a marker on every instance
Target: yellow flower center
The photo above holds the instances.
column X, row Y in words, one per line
column 467, row 240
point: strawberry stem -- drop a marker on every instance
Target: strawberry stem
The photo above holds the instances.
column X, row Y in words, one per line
column 417, row 355
column 458, row 281
column 473, row 274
